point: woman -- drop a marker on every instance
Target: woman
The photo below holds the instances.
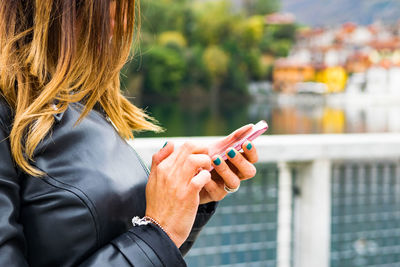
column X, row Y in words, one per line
column 70, row 185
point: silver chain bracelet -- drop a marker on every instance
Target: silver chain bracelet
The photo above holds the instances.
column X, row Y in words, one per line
column 137, row 221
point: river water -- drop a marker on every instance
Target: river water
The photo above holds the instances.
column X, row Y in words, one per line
column 196, row 118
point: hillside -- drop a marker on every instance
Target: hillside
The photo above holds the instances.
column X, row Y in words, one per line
column 328, row 12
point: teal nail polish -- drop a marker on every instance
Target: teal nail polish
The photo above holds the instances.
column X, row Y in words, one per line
column 165, row 144
column 249, row 146
column 232, row 153
column 217, row 161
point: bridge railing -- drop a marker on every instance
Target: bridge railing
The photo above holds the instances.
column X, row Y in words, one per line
column 317, row 200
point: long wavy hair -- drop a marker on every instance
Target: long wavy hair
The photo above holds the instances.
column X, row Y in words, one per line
column 55, row 52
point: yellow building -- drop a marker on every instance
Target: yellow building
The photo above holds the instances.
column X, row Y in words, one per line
column 335, row 78
column 333, row 121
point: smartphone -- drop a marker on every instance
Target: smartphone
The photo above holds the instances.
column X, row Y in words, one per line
column 257, row 130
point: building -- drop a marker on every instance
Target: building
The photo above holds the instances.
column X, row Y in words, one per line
column 287, row 74
column 332, row 55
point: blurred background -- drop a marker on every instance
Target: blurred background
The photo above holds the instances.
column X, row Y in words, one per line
column 207, row 67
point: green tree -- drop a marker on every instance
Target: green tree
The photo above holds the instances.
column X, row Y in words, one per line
column 278, row 39
column 261, row 7
column 255, row 70
column 206, row 44
column 285, row 31
column 172, row 38
column 217, row 61
column 215, row 22
column 251, row 31
column 163, row 15
column 197, row 74
column 164, row 70
column 237, row 78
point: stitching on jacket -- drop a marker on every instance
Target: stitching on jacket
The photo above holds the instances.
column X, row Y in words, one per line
column 140, row 247
column 92, row 210
column 120, row 251
column 92, row 213
column 172, row 247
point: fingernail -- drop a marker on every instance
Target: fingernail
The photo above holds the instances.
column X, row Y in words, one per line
column 249, row 146
column 232, row 153
column 217, row 161
column 165, row 144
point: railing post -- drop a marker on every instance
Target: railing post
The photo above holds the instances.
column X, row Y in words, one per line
column 313, row 215
column 284, row 216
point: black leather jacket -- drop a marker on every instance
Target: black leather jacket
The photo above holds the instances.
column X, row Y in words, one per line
column 80, row 213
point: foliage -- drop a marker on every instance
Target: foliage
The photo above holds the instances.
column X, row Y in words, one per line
column 214, row 22
column 196, row 73
column 158, row 16
column 203, row 44
column 261, row 7
column 278, row 39
column 164, row 69
column 285, row 31
column 253, row 62
column 253, row 29
column 236, row 80
column 172, row 38
column 216, row 61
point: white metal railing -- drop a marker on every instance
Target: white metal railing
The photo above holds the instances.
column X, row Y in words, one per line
column 312, row 155
column 298, row 148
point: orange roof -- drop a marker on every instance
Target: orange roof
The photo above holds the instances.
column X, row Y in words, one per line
column 373, row 29
column 349, row 27
column 358, row 56
column 391, row 44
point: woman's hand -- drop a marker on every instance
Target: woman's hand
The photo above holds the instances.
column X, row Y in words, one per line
column 172, row 191
column 237, row 168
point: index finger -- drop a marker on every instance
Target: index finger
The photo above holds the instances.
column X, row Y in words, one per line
column 190, row 148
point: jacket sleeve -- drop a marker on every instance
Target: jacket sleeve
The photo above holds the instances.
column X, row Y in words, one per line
column 12, row 242
column 145, row 245
column 204, row 214
column 148, row 245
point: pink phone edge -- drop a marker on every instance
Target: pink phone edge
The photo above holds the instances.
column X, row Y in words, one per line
column 251, row 136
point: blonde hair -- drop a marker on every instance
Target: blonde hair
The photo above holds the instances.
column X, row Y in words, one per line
column 59, row 52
